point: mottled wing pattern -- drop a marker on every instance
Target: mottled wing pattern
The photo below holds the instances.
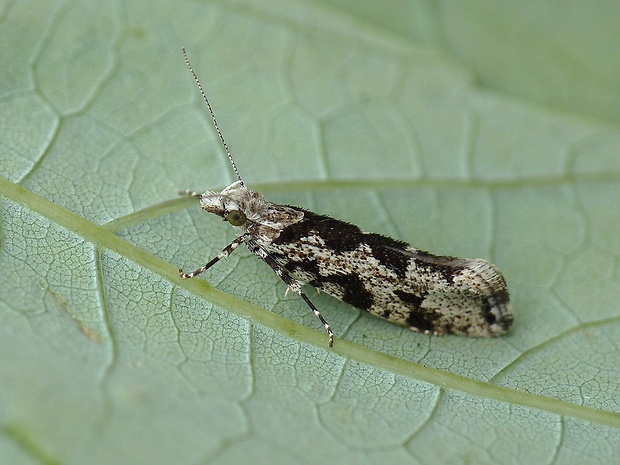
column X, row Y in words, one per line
column 392, row 280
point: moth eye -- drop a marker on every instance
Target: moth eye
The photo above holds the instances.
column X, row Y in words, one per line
column 236, row 218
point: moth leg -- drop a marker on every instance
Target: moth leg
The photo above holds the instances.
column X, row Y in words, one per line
column 328, row 328
column 293, row 285
column 223, row 254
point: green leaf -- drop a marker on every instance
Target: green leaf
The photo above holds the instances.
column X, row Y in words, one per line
column 107, row 356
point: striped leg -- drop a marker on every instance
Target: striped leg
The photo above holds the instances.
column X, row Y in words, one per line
column 230, row 248
column 292, row 284
column 190, row 193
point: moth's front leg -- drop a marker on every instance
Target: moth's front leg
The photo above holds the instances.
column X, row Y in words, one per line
column 292, row 284
column 230, row 248
column 190, row 193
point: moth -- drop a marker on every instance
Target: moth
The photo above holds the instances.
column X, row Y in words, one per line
column 388, row 278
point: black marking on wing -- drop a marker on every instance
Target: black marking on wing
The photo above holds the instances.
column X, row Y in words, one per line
column 418, row 317
column 355, row 292
column 338, row 235
column 498, row 299
column 341, row 236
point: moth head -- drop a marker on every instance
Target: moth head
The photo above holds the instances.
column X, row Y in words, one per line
column 236, row 204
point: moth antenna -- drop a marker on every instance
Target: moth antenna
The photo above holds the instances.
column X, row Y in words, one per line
column 217, row 128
